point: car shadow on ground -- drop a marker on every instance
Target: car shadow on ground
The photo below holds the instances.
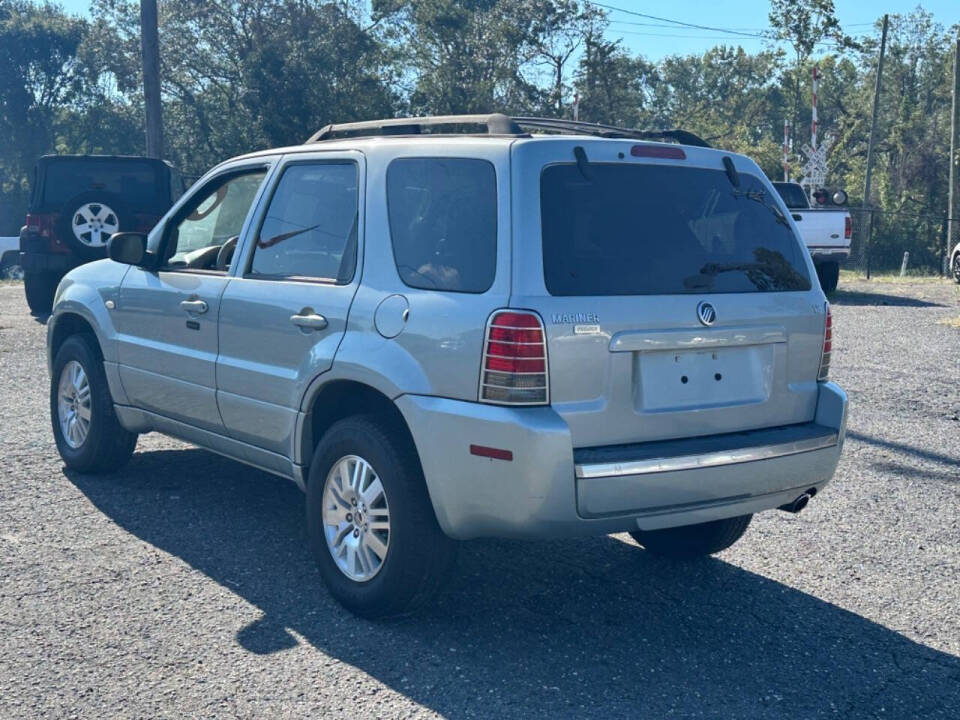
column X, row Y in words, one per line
column 550, row 629
column 855, row 297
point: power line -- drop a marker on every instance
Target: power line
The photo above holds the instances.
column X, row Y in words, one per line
column 674, row 22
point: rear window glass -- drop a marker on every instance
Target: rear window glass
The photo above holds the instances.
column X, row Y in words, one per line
column 443, row 222
column 793, row 195
column 657, row 230
column 142, row 185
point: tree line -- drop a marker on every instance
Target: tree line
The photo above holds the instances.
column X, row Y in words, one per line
column 239, row 76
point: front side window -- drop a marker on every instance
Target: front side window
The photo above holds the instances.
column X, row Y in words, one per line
column 212, row 223
column 655, row 229
column 443, row 222
column 310, row 229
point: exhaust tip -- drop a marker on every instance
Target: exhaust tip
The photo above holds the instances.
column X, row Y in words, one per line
column 798, row 504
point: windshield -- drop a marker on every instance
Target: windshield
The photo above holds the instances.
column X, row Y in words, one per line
column 142, row 184
column 662, row 229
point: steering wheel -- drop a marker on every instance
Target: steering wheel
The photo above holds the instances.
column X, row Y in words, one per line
column 225, row 256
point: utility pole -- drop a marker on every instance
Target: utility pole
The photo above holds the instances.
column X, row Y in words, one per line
column 954, row 201
column 873, row 133
column 150, row 51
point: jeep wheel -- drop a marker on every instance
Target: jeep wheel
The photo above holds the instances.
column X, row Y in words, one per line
column 691, row 541
column 40, row 287
column 85, row 427
column 89, row 219
column 955, row 268
column 372, row 528
column 829, row 274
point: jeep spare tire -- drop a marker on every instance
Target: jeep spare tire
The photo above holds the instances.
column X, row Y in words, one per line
column 89, row 219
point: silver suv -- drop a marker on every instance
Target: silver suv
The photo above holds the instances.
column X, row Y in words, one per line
column 450, row 328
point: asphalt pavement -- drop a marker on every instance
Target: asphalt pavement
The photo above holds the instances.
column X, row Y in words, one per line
column 182, row 586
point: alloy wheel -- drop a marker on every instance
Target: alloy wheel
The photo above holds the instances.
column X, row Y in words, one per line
column 356, row 518
column 94, row 223
column 73, row 404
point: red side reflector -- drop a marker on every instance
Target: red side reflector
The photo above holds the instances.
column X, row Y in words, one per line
column 495, row 453
column 658, row 151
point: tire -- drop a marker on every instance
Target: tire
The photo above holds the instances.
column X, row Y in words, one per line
column 418, row 556
column 692, row 541
column 829, row 274
column 114, row 210
column 40, row 287
column 106, row 446
column 955, row 268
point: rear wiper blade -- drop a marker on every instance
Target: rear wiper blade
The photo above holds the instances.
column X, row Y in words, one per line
column 761, row 197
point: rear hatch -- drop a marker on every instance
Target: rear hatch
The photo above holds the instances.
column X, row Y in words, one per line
column 676, row 299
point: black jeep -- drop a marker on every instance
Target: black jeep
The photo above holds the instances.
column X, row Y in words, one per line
column 77, row 202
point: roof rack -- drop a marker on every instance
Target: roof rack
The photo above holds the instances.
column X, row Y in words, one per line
column 497, row 124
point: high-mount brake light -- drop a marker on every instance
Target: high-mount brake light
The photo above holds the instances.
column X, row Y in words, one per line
column 658, row 151
column 514, row 369
column 827, row 346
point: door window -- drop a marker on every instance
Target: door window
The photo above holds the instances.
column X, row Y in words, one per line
column 206, row 236
column 310, row 229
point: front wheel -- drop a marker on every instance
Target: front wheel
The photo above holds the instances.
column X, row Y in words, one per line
column 85, row 427
column 372, row 528
column 690, row 541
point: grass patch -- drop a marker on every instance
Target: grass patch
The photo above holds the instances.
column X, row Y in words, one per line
column 950, row 322
column 891, row 277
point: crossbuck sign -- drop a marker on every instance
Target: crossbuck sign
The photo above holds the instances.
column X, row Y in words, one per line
column 815, row 167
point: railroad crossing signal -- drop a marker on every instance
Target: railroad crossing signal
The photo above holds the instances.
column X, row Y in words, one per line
column 815, row 168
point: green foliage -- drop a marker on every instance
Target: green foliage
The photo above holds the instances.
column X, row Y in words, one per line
column 239, row 76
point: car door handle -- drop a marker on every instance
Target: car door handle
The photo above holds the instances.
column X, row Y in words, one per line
column 309, row 320
column 797, row 217
column 194, row 306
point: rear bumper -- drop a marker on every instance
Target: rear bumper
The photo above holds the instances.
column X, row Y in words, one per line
column 550, row 490
column 46, row 262
column 829, row 253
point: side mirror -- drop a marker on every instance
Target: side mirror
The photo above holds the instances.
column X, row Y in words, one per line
column 129, row 248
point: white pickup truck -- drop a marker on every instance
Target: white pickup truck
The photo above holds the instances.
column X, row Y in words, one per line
column 9, row 254
column 825, row 231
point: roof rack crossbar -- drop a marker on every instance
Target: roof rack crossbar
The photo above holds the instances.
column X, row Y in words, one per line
column 498, row 124
column 585, row 128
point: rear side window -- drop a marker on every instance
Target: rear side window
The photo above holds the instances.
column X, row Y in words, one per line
column 793, row 195
column 310, row 229
column 658, row 230
column 443, row 222
column 143, row 185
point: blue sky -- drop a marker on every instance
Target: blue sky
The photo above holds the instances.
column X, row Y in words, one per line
column 656, row 39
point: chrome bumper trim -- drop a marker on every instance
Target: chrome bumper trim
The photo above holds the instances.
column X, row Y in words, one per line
column 705, row 460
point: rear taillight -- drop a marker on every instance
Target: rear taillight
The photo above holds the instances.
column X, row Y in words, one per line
column 514, row 370
column 847, row 227
column 41, row 225
column 827, row 346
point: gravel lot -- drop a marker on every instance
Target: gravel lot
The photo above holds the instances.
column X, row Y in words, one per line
column 182, row 587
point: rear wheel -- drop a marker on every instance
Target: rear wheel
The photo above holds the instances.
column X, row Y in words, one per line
column 829, row 274
column 372, row 528
column 40, row 287
column 690, row 541
column 955, row 267
column 85, row 427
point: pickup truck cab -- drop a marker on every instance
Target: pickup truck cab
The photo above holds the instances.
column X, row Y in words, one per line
column 826, row 231
column 527, row 329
